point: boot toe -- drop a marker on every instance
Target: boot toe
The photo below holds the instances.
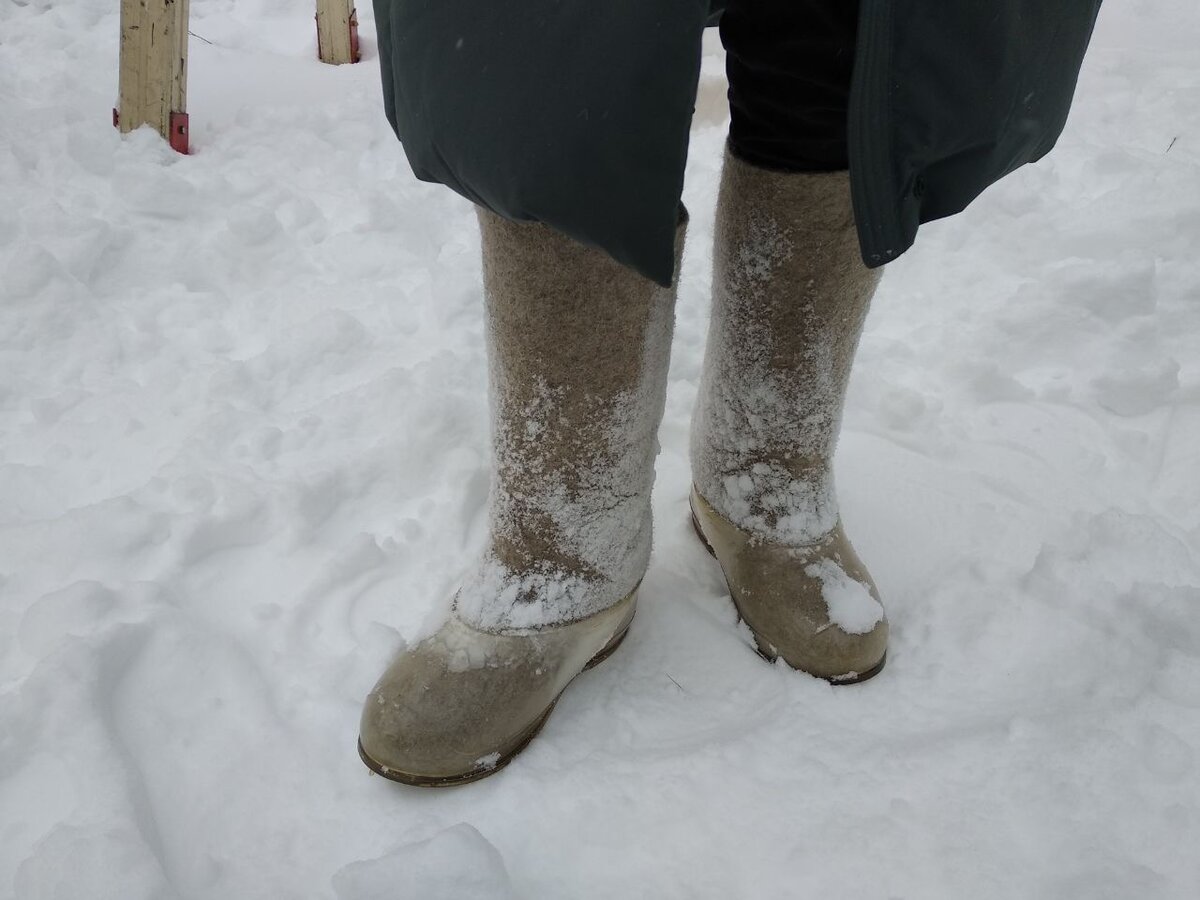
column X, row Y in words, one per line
column 824, row 650
column 426, row 722
column 463, row 702
column 815, row 607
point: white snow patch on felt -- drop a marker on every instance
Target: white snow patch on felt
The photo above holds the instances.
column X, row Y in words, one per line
column 487, row 762
column 457, row 864
column 851, row 606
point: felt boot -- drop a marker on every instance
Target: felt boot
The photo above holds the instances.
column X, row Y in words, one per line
column 578, row 348
column 790, row 295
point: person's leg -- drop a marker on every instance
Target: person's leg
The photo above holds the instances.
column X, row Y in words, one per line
column 789, row 64
column 578, row 349
column 790, row 295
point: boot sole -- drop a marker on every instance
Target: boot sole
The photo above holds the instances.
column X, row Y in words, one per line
column 476, row 774
column 759, row 642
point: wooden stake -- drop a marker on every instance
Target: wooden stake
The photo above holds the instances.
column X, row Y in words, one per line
column 153, row 76
column 337, row 31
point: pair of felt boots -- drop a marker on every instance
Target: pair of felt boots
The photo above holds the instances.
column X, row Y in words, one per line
column 578, row 348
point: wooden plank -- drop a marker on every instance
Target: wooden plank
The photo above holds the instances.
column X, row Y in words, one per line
column 179, row 81
column 153, row 69
column 334, row 42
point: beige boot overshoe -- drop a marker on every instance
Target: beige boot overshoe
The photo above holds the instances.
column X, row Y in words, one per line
column 815, row 607
column 463, row 702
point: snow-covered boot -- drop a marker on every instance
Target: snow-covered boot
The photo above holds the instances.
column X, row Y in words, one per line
column 578, row 348
column 790, row 295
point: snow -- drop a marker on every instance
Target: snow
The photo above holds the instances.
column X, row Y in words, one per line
column 244, row 458
column 458, row 863
column 851, row 606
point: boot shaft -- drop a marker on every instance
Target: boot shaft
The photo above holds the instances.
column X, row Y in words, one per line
column 790, row 296
column 578, row 349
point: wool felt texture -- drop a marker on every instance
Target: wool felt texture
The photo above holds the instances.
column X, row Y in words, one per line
column 814, row 607
column 578, row 349
column 461, row 703
column 790, row 297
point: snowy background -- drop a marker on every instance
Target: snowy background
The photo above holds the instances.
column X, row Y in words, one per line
column 243, row 442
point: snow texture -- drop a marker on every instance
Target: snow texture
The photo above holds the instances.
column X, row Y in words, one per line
column 243, row 457
column 457, row 863
column 851, row 606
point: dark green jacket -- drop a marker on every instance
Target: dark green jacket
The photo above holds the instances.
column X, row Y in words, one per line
column 576, row 113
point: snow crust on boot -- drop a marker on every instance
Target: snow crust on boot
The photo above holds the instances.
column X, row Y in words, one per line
column 790, row 295
column 579, row 347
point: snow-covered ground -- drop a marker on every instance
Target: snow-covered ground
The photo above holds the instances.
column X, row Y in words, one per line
column 243, row 458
